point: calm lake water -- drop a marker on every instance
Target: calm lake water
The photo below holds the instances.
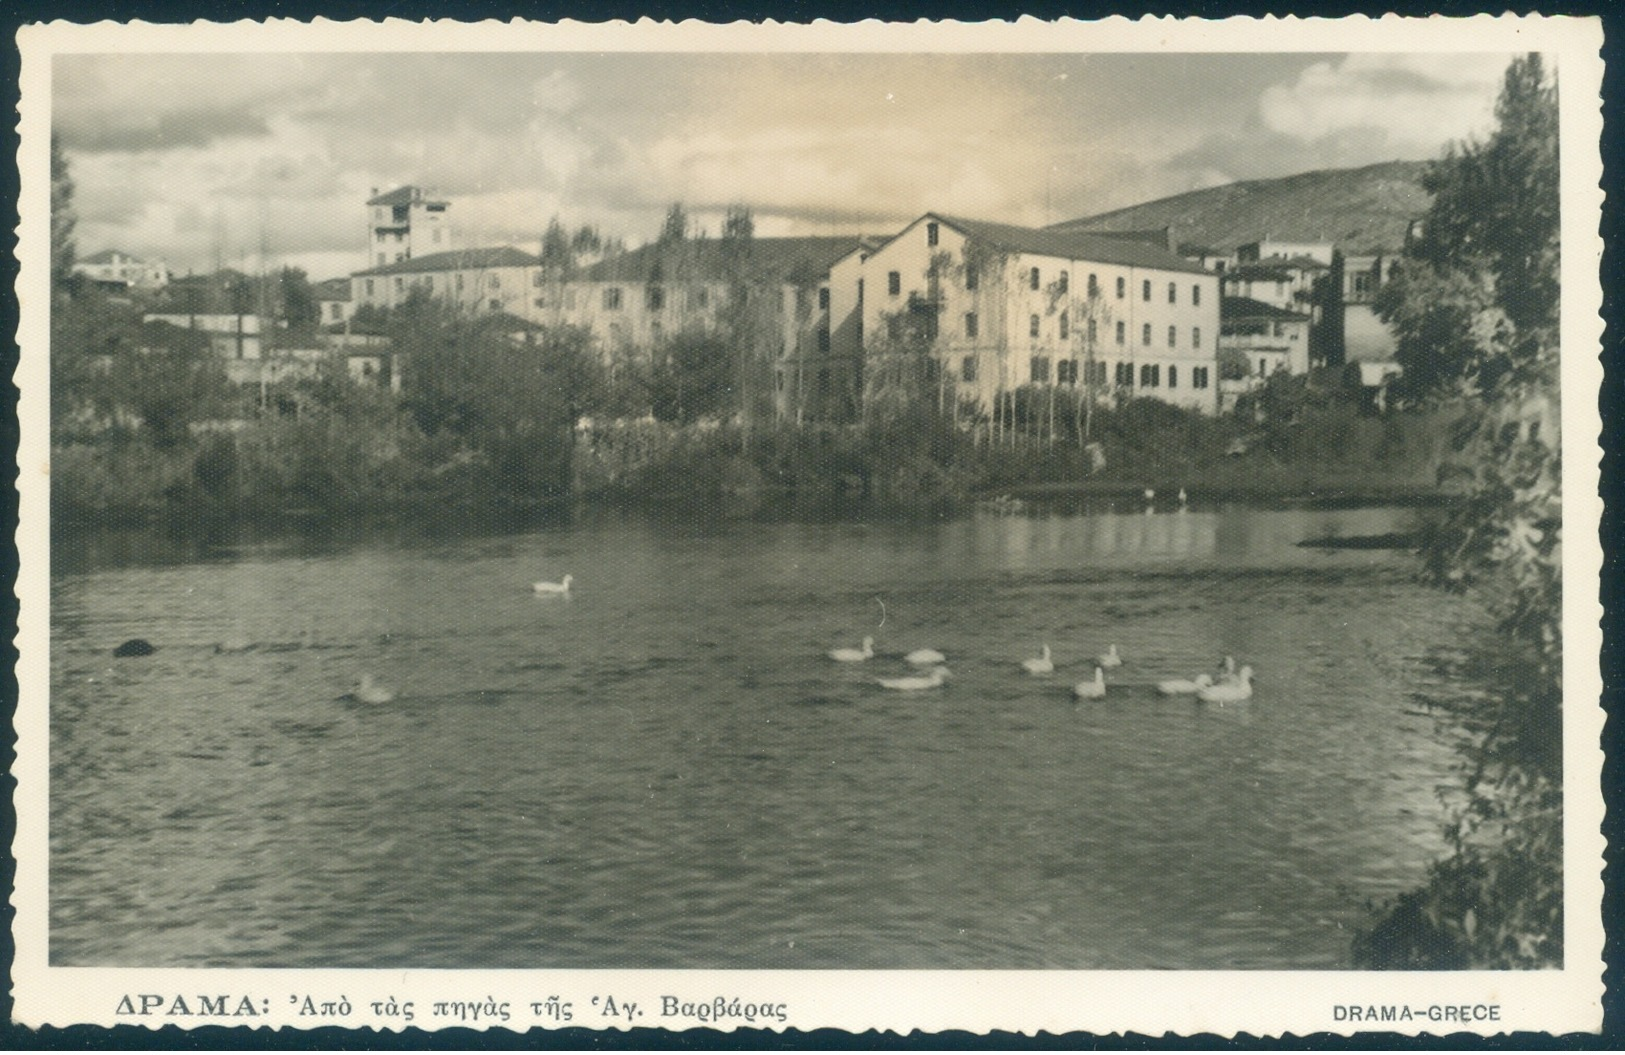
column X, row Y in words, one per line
column 665, row 770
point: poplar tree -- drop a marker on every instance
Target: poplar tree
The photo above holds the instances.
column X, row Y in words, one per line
column 63, row 218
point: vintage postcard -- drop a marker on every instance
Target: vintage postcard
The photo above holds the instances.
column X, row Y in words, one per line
column 1068, row 526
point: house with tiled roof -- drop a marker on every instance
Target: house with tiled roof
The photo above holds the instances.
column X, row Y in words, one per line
column 333, row 301
column 777, row 289
column 1004, row 307
column 499, row 278
column 120, row 270
column 1267, row 337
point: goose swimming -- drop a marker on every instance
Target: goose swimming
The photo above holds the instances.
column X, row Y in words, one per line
column 1091, row 690
column 854, row 655
column 1041, row 664
column 1111, row 658
column 926, row 657
column 1230, row 691
column 368, row 690
column 1184, row 686
column 553, row 588
column 916, row 682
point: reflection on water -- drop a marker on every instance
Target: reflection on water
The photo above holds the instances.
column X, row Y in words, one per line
column 666, row 770
column 1235, row 535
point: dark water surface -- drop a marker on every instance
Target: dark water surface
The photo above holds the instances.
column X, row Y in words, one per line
column 664, row 770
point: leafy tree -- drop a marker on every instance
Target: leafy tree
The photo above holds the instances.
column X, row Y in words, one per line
column 738, row 225
column 1233, row 364
column 1477, row 300
column 586, row 241
column 1475, row 310
column 694, row 378
column 675, row 229
column 63, row 217
column 511, row 404
column 173, row 379
column 299, row 305
column 558, row 258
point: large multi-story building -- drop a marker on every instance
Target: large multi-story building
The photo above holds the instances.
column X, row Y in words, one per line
column 405, row 223
column 1004, row 307
column 496, row 279
column 771, row 293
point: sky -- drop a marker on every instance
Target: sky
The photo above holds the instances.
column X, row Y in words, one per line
column 266, row 160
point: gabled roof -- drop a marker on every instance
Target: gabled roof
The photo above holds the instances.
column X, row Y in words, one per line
column 1274, row 269
column 1071, row 245
column 797, row 260
column 399, row 196
column 332, row 289
column 1248, row 308
column 106, row 257
column 457, row 260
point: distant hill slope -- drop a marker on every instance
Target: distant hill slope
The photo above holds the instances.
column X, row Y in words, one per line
column 1361, row 210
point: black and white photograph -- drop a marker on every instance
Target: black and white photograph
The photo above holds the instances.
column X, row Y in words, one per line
column 593, row 501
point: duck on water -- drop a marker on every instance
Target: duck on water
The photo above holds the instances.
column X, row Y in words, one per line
column 854, row 655
column 915, row 682
column 369, row 690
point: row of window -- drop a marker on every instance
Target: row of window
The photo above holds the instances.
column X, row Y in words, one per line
column 1068, row 372
column 973, row 328
column 894, row 285
column 493, row 281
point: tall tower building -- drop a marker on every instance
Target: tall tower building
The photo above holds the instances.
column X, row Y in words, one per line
column 405, row 223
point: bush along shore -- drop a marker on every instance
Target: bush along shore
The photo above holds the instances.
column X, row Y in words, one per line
column 320, row 463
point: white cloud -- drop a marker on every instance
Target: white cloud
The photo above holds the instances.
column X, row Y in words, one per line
column 1419, row 102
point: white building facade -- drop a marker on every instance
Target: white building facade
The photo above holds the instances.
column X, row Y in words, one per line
column 405, row 223
column 1007, row 307
column 115, row 268
column 474, row 280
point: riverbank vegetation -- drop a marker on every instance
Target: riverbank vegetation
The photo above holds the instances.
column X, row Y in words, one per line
column 1476, row 312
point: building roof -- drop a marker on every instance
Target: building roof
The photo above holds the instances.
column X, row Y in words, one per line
column 1248, row 308
column 456, row 260
column 1072, row 245
column 399, row 196
column 797, row 260
column 1275, row 269
column 1161, row 236
column 106, row 256
column 332, row 289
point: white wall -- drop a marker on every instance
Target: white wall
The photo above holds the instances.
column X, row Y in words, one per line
column 1005, row 302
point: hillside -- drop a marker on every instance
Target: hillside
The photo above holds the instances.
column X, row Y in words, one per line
column 1361, row 210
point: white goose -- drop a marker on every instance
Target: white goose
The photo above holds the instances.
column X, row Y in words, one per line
column 1230, row 691
column 916, row 682
column 1184, row 686
column 926, row 657
column 854, row 655
column 1091, row 690
column 368, row 690
column 1111, row 658
column 553, row 589
column 1039, row 664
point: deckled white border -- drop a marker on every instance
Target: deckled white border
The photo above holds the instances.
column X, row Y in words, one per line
column 1184, row 1002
